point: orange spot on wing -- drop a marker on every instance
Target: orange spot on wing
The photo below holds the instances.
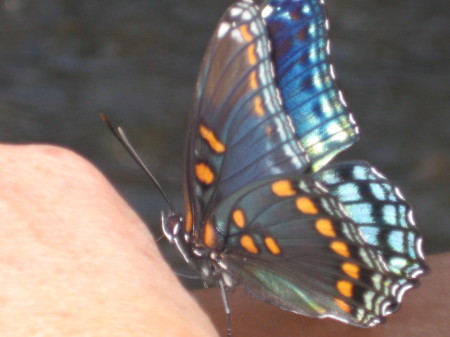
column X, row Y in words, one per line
column 325, row 227
column 251, row 54
column 345, row 288
column 268, row 130
column 251, row 50
column 209, row 235
column 245, row 33
column 306, row 205
column 272, row 245
column 258, row 106
column 351, row 270
column 249, row 244
column 340, row 248
column 283, row 188
column 188, row 224
column 204, row 173
column 341, row 304
column 211, row 139
column 239, row 218
column 253, row 80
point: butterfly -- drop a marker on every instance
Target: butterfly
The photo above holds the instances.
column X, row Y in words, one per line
column 264, row 207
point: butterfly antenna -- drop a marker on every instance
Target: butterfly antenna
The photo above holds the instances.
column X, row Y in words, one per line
column 123, row 139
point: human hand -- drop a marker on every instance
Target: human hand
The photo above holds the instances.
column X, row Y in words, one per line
column 75, row 260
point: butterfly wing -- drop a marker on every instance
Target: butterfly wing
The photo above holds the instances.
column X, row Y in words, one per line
column 238, row 132
column 291, row 243
column 281, row 232
column 383, row 216
column 298, row 31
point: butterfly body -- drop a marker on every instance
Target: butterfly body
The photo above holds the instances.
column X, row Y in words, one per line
column 207, row 260
column 263, row 209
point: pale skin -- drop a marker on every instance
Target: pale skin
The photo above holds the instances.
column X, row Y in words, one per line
column 76, row 260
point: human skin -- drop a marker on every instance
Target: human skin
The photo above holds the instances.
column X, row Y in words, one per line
column 75, row 260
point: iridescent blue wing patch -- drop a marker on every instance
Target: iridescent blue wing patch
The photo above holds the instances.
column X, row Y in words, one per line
column 298, row 32
column 383, row 216
column 292, row 244
column 238, row 132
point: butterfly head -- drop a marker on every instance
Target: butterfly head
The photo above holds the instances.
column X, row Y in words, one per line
column 173, row 228
column 172, row 225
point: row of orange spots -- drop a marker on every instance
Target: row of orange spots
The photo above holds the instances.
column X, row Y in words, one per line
column 346, row 287
column 248, row 243
column 252, row 60
column 343, row 286
column 283, row 188
column 204, row 173
column 325, row 227
column 211, row 139
column 209, row 237
column 251, row 51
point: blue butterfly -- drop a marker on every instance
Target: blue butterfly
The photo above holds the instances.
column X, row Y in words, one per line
column 263, row 207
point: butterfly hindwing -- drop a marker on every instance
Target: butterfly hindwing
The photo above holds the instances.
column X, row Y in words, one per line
column 298, row 31
column 302, row 252
column 383, row 216
column 239, row 132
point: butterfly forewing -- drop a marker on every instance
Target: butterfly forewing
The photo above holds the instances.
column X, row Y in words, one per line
column 298, row 31
column 383, row 216
column 303, row 253
column 239, row 132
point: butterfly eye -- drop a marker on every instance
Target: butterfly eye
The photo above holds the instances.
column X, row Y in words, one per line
column 171, row 224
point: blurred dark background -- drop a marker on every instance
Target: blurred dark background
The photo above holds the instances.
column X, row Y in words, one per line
column 63, row 62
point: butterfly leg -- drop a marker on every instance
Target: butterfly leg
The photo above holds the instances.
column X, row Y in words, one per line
column 226, row 307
